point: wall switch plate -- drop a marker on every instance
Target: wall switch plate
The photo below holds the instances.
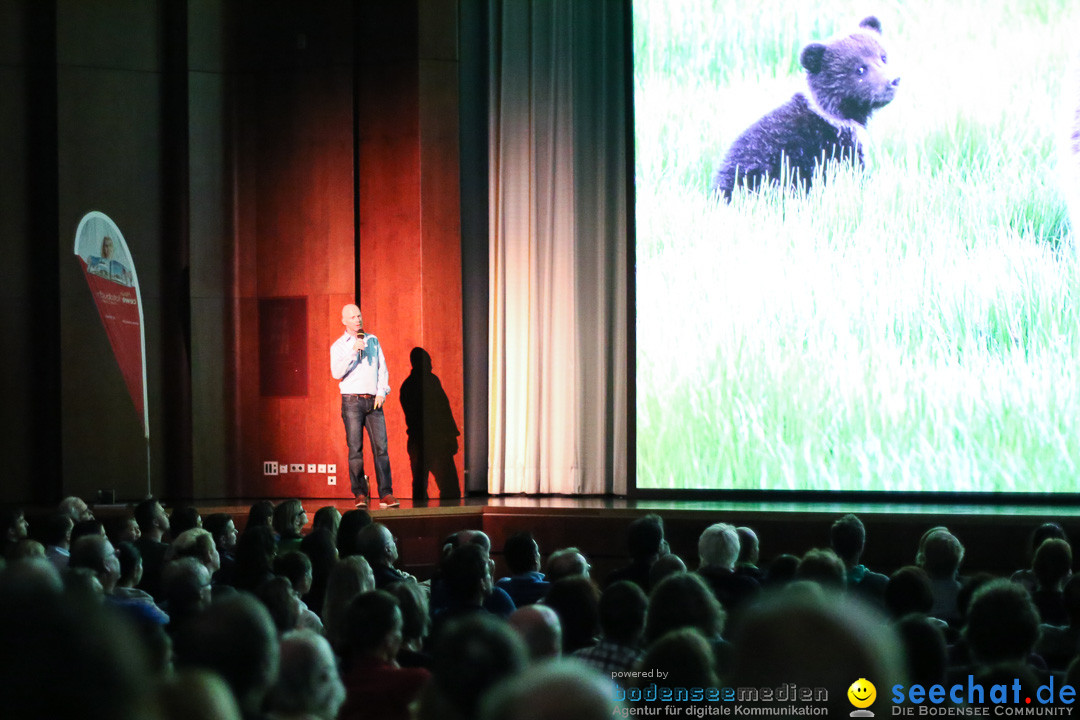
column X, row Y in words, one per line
column 322, row 469
column 331, row 468
column 331, row 480
column 270, row 467
column 296, row 467
column 311, row 467
column 283, row 468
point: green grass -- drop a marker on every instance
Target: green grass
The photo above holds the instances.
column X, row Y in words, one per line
column 916, row 328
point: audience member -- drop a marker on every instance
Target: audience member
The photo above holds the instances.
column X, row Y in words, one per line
column 196, row 695
column 153, row 524
column 847, row 537
column 415, row 624
column 235, row 638
column 308, row 685
column 296, row 567
column 539, row 626
column 350, row 577
column 288, row 521
column 466, row 578
column 261, row 513
column 525, row 584
column 57, row 539
column 908, row 591
column 182, row 519
column 718, row 549
column 665, row 565
column 577, row 602
column 822, row 566
column 26, row 549
column 496, row 601
column 199, row 544
column 781, row 571
column 749, row 554
column 122, row 528
column 255, row 551
column 1002, row 624
column 684, row 600
column 75, row 508
column 329, row 518
column 185, row 591
column 126, row 590
column 281, row 600
column 681, row 658
column 940, row 555
column 471, row 655
column 320, row 549
column 84, row 528
column 925, row 652
column 223, row 529
column 623, row 605
column 1047, row 530
column 96, row 554
column 1052, row 567
column 376, row 686
column 645, row 543
column 379, row 547
column 1059, row 644
column 352, row 522
column 567, row 562
column 13, row 528
column 559, row 690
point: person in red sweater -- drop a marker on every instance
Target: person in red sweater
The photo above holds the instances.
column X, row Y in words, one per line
column 375, row 685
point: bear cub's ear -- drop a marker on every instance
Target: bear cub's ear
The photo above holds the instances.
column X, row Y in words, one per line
column 871, row 22
column 812, row 58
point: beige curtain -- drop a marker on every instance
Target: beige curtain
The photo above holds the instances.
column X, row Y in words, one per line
column 558, row 247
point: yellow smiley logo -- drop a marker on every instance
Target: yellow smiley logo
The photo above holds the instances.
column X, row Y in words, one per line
column 862, row 693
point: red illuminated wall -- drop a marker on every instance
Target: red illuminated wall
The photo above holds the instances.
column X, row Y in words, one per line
column 326, row 89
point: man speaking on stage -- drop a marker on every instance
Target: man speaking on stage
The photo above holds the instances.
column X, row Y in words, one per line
column 356, row 360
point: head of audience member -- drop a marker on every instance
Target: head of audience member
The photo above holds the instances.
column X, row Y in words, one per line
column 683, row 600
column 940, row 554
column 470, row 536
column 924, row 649
column 320, row 549
column 466, row 572
column 122, row 528
column 847, row 537
column 682, row 658
column 645, row 538
column 718, row 547
column 470, row 655
column 260, row 513
column 416, row 620
column 296, row 567
column 377, row 545
column 350, row 577
column 968, row 588
column 289, row 518
column 152, row 519
column 283, row 603
column 749, row 547
column 131, row 566
column 623, row 606
column 61, row 651
column 235, row 638
column 255, row 552
column 576, row 600
column 308, row 683
column 1052, row 564
column 665, row 565
column 1002, row 623
column 183, row 519
column 539, row 626
column 522, row 553
column 193, row 694
column 87, row 527
column 83, row 583
column 908, row 591
column 13, row 527
column 1042, row 533
column 822, row 566
column 97, row 554
column 348, row 535
column 57, row 530
column 557, row 690
column 223, row 529
column 327, row 517
column 373, row 627
column 567, row 562
column 185, row 589
column 75, row 508
column 199, row 544
column 781, row 570
column 814, row 640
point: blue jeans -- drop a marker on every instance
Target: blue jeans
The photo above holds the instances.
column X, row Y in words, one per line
column 359, row 412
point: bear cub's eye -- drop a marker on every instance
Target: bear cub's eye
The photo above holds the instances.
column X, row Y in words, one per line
column 861, row 70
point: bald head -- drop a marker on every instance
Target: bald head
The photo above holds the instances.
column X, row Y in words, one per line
column 539, row 627
column 351, row 319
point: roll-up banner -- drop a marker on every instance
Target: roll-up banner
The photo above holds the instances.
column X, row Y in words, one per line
column 110, row 272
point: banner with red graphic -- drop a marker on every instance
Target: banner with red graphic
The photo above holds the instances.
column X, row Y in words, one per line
column 110, row 273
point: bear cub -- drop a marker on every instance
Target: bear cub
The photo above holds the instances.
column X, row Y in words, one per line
column 847, row 80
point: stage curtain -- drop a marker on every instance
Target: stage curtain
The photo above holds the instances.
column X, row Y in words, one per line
column 558, row 247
